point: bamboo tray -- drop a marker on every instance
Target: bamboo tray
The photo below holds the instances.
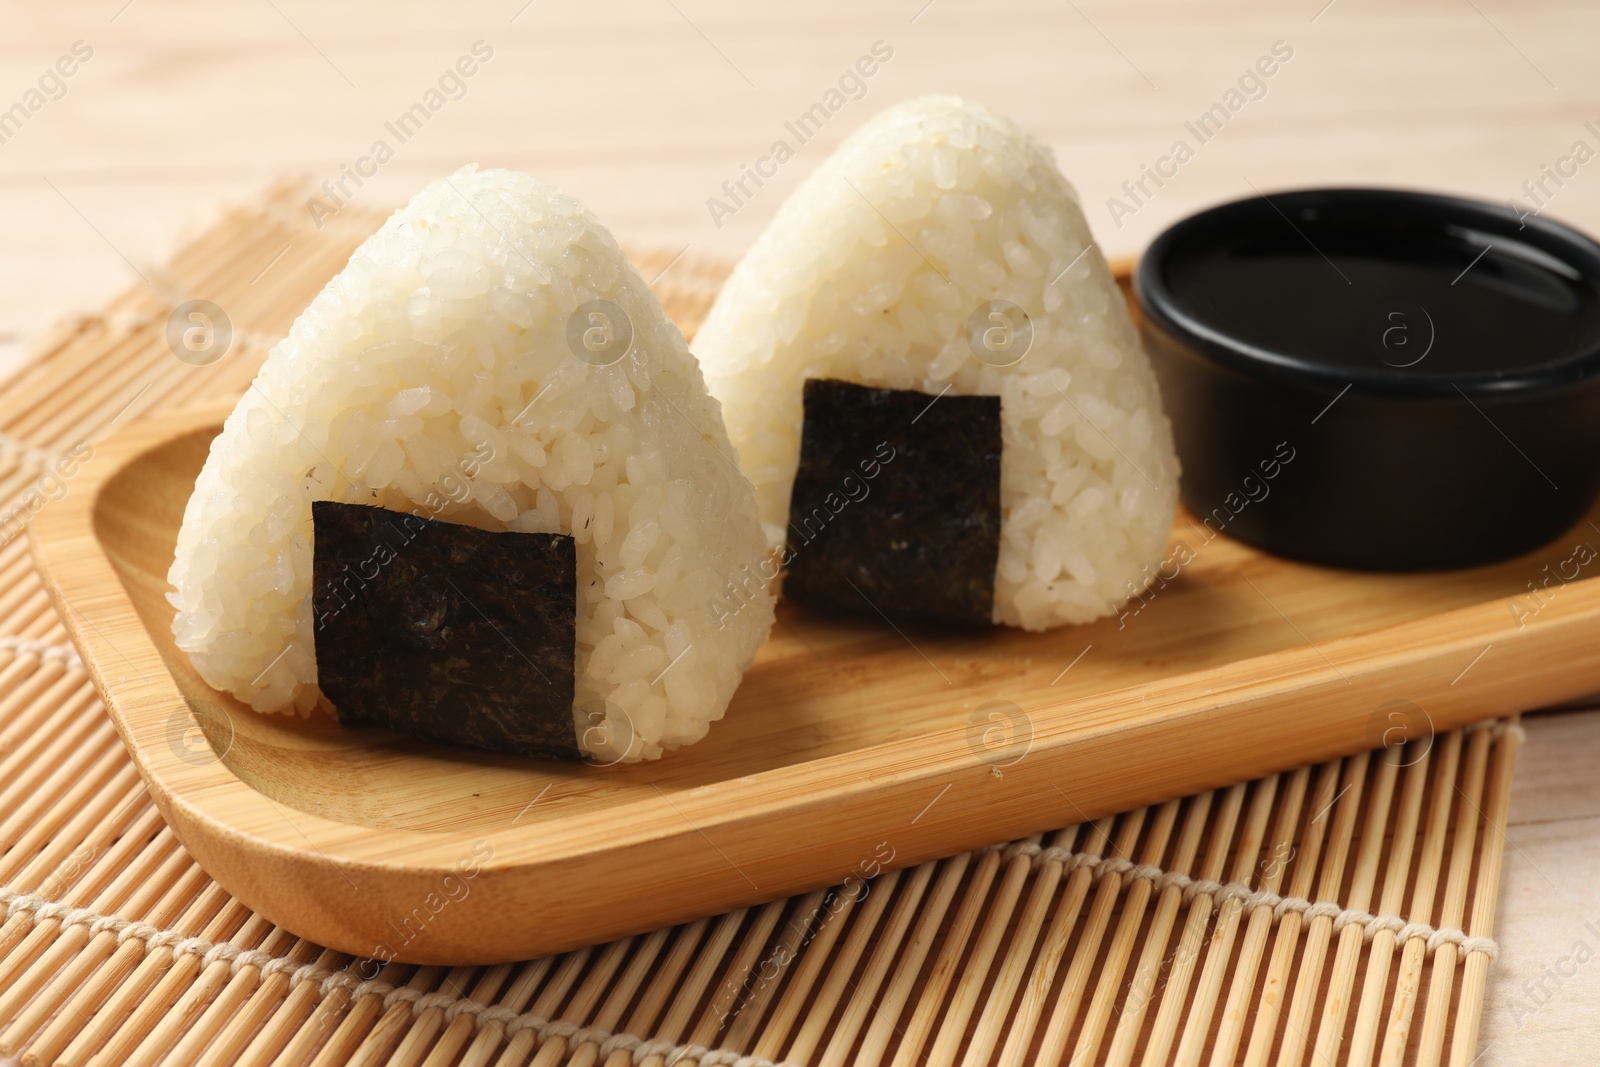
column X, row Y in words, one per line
column 850, row 749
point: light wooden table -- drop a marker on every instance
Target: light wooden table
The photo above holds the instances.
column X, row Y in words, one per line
column 645, row 108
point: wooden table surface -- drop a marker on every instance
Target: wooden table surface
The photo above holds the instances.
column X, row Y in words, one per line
column 644, row 109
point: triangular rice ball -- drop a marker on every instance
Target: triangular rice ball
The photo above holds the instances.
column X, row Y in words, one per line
column 440, row 374
column 883, row 268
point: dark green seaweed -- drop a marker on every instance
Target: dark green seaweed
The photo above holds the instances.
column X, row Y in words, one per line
column 896, row 504
column 446, row 632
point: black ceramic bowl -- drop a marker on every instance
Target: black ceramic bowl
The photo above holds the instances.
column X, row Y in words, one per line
column 1379, row 379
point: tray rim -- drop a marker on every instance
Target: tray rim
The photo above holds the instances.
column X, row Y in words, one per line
column 584, row 870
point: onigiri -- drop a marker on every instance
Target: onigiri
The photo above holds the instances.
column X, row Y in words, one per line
column 488, row 358
column 940, row 250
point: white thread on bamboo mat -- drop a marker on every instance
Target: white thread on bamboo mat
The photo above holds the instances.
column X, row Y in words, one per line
column 23, row 454
column 44, row 650
column 511, row 1022
column 1100, row 866
column 1497, row 728
column 129, row 321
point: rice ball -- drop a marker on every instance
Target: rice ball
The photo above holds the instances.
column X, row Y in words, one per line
column 448, row 371
column 940, row 249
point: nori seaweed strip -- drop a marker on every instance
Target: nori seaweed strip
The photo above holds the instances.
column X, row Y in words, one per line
column 446, row 632
column 896, row 503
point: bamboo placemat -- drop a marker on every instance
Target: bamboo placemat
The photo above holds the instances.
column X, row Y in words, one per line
column 1339, row 913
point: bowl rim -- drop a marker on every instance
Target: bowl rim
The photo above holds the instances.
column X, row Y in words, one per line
column 1158, row 304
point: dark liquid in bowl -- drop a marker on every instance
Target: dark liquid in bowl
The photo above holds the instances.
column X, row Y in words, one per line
column 1358, row 293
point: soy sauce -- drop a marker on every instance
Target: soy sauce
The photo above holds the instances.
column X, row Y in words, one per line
column 1352, row 291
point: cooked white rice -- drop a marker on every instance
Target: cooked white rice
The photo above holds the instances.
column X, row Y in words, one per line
column 870, row 273
column 443, row 341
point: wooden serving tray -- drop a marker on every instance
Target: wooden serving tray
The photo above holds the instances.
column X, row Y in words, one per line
column 850, row 748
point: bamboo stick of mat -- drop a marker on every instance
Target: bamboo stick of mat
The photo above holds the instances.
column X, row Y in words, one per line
column 1287, row 936
column 1469, row 1013
column 1271, row 869
column 1347, row 955
column 1341, row 813
column 1142, row 990
column 1364, row 1039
